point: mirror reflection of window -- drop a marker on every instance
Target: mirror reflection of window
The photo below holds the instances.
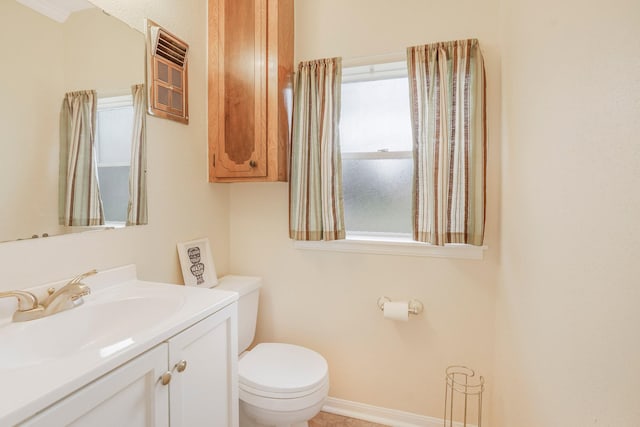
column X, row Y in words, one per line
column 89, row 51
column 114, row 127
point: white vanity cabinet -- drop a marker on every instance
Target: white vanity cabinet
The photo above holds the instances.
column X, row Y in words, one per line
column 198, row 365
column 205, row 393
column 130, row 395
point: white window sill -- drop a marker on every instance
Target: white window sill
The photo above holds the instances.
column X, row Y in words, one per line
column 115, row 224
column 108, row 225
column 393, row 245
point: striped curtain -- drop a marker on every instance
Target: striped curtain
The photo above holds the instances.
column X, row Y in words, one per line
column 137, row 210
column 315, row 183
column 447, row 93
column 80, row 203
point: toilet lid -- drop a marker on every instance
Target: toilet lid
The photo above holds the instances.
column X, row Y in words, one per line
column 282, row 368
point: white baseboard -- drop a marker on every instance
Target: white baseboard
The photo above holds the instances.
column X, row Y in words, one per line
column 375, row 414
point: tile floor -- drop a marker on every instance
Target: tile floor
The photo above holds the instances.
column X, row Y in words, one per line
column 324, row 419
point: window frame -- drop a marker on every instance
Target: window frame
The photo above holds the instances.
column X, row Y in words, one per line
column 380, row 243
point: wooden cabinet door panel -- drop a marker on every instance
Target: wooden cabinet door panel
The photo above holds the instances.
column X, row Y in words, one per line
column 250, row 58
column 239, row 77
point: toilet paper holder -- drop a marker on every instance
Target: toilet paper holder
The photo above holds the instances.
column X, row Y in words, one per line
column 415, row 306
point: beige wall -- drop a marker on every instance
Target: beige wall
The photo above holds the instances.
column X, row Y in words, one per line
column 327, row 301
column 568, row 346
column 182, row 205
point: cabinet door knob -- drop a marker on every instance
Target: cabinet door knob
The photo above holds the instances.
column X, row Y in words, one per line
column 253, row 163
column 165, row 378
column 181, row 366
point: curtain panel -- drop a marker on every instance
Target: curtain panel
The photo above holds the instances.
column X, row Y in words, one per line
column 315, row 183
column 137, row 209
column 448, row 113
column 80, row 203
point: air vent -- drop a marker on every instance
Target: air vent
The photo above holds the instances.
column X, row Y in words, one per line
column 167, row 74
column 170, row 49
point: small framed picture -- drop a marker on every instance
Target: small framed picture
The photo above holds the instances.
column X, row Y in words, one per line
column 197, row 263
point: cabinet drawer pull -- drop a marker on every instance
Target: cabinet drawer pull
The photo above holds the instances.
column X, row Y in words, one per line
column 165, row 378
column 181, row 366
column 253, row 164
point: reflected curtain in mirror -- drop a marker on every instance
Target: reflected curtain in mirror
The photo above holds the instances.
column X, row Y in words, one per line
column 447, row 93
column 79, row 192
column 316, row 207
column 137, row 210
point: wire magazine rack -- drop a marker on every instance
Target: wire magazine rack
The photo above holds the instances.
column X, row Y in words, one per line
column 463, row 396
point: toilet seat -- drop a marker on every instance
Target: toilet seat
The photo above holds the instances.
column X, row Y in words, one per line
column 281, row 371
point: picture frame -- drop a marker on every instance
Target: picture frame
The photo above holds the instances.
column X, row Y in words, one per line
column 197, row 264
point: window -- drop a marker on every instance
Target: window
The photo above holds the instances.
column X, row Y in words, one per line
column 376, row 144
column 114, row 127
column 377, row 167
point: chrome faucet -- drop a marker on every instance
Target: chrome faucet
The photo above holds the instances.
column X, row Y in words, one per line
column 68, row 296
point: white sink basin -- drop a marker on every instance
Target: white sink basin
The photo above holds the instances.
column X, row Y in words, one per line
column 98, row 326
column 43, row 360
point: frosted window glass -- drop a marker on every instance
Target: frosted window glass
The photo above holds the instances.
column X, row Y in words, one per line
column 114, row 190
column 114, row 132
column 375, row 116
column 377, row 195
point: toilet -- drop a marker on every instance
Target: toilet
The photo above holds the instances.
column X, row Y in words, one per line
column 280, row 385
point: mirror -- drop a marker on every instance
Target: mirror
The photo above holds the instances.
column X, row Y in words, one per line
column 44, row 58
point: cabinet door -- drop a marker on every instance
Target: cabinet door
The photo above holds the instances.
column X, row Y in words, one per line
column 203, row 360
column 131, row 396
column 238, row 87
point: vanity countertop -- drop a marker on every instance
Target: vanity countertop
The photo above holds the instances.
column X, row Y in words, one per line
column 44, row 360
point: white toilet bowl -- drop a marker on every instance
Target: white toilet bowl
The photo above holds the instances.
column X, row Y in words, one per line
column 279, row 385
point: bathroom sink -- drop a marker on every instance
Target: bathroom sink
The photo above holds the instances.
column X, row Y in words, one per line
column 46, row 359
column 98, row 326
column 42, row 345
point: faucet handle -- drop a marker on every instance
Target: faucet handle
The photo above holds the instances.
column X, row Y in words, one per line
column 79, row 277
column 33, row 313
column 33, row 310
column 25, row 299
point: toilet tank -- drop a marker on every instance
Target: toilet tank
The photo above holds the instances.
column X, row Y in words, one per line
column 248, row 290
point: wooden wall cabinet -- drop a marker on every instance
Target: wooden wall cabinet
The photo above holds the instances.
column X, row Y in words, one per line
column 250, row 89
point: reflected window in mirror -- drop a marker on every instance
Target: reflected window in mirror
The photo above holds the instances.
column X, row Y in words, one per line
column 90, row 50
column 114, row 127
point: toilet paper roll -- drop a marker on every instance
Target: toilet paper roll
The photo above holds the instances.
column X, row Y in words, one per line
column 397, row 310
